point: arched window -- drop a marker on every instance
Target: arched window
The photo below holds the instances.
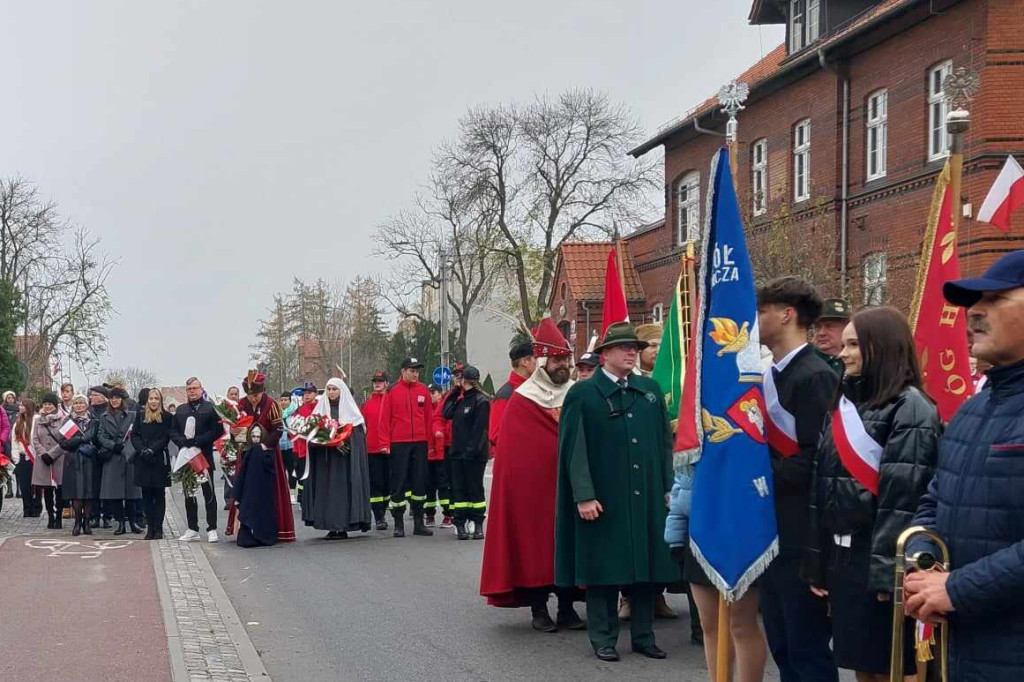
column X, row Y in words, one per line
column 688, row 208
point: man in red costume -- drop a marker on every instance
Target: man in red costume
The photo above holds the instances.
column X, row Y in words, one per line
column 523, row 364
column 519, row 552
column 266, row 413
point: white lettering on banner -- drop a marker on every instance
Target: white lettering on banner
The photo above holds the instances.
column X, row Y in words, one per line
column 761, row 485
column 725, row 269
column 82, row 550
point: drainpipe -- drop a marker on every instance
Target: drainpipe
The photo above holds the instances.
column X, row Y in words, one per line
column 845, row 173
column 586, row 308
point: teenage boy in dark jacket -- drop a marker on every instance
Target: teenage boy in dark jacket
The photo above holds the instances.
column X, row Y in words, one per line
column 976, row 500
column 798, row 389
column 469, row 411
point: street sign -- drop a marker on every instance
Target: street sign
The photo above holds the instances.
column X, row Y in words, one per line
column 442, row 375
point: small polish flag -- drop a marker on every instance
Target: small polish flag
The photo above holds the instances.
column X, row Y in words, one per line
column 69, row 429
column 1006, row 195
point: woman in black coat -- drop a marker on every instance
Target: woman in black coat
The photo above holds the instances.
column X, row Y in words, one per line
column 77, row 484
column 876, row 457
column 150, row 435
column 118, row 478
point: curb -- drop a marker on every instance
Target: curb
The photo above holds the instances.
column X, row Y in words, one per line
column 176, row 655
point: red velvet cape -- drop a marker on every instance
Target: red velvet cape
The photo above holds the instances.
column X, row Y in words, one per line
column 519, row 550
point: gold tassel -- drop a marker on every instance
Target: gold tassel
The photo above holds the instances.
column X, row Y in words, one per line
column 924, row 647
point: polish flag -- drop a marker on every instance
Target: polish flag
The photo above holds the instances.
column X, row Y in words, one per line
column 1006, row 195
column 69, row 429
column 194, row 458
column 860, row 453
column 780, row 426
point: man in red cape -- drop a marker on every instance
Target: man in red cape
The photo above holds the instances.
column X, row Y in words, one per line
column 266, row 413
column 519, row 552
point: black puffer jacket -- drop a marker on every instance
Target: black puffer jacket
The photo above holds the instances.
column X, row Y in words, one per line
column 908, row 429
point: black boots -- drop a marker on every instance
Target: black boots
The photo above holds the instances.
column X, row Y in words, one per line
column 399, row 518
column 121, row 530
column 50, row 524
column 76, row 530
column 460, row 530
column 95, row 523
column 106, row 523
column 418, row 528
column 478, row 529
column 133, row 526
column 542, row 620
column 378, row 516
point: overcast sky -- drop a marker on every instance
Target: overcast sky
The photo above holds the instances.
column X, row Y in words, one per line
column 221, row 148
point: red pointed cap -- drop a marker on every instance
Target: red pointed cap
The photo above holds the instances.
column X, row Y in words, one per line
column 548, row 340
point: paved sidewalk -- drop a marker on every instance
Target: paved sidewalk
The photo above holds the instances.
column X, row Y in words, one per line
column 117, row 608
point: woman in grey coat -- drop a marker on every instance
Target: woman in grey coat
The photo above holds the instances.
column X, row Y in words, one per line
column 116, row 452
column 49, row 466
column 78, row 469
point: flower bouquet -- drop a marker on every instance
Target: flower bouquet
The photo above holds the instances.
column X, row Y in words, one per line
column 228, row 456
column 319, row 429
column 231, row 415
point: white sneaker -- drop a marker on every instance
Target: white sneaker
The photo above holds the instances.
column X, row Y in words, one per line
column 190, row 536
column 295, row 500
column 212, row 536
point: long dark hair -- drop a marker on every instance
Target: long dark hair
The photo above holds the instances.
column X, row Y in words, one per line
column 23, row 427
column 889, row 359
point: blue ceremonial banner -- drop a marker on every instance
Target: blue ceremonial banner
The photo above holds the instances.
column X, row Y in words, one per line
column 732, row 522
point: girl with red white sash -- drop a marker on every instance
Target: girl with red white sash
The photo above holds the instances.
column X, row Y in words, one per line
column 874, row 462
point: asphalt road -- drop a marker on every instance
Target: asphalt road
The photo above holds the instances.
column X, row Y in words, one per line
column 375, row 608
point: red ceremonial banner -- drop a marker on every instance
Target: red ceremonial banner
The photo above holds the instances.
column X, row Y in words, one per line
column 614, row 309
column 940, row 328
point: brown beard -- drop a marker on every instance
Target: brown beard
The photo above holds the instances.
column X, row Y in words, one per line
column 558, row 376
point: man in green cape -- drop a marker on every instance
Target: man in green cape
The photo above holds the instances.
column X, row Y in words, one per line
column 614, row 474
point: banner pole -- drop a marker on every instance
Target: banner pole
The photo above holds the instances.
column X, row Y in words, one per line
column 723, row 661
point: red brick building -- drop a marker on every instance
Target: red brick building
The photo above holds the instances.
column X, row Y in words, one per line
column 844, row 132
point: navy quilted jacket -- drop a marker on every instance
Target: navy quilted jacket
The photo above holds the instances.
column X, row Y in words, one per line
column 976, row 503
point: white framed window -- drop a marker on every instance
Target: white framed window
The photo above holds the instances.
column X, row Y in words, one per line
column 802, row 160
column 657, row 312
column 759, row 175
column 877, row 133
column 688, row 208
column 874, row 278
column 804, row 23
column 938, row 139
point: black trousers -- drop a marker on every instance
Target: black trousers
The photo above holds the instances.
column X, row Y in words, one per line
column 380, row 483
column 154, row 502
column 121, row 510
column 603, row 614
column 192, row 508
column 407, row 480
column 30, row 502
column 288, row 457
column 51, row 496
column 468, row 501
column 438, row 488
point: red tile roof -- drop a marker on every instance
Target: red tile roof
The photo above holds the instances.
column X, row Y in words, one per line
column 585, row 263
column 775, row 62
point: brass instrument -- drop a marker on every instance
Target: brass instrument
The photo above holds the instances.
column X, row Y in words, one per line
column 922, row 561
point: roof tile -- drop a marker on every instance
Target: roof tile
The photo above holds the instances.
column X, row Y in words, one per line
column 585, row 264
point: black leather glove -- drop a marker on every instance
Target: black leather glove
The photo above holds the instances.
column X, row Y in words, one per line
column 147, row 455
column 47, row 460
column 119, row 446
column 87, row 450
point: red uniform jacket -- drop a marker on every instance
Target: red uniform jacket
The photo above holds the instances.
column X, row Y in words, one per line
column 406, row 415
column 442, row 432
column 371, row 413
column 498, row 405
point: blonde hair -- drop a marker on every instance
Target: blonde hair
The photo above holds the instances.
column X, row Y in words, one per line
column 153, row 416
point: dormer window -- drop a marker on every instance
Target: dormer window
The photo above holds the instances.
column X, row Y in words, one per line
column 804, row 23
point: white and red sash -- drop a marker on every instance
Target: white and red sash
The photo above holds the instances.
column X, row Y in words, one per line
column 860, row 454
column 780, row 424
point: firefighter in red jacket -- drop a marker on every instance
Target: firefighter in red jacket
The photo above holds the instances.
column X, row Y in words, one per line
column 406, row 426
column 379, row 462
column 523, row 366
column 438, row 488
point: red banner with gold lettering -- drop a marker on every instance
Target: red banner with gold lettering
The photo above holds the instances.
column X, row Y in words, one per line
column 940, row 328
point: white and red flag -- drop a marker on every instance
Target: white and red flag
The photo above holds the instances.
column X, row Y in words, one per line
column 69, row 429
column 194, row 458
column 780, row 426
column 1006, row 196
column 860, row 453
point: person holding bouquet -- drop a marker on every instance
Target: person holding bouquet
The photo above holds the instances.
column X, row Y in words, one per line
column 339, row 476
column 206, row 430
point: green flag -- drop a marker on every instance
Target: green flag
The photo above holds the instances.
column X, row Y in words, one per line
column 670, row 367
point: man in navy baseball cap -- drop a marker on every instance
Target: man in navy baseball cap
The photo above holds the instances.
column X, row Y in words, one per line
column 1005, row 274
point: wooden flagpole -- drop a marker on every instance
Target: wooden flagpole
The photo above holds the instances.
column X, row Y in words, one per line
column 617, row 243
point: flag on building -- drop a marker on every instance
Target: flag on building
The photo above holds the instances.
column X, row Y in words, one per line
column 940, row 328
column 615, row 309
column 733, row 531
column 69, row 429
column 1006, row 195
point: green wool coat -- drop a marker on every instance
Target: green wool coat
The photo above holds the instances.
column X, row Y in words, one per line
column 615, row 446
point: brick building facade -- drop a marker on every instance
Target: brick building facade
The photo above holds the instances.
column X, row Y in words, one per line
column 864, row 76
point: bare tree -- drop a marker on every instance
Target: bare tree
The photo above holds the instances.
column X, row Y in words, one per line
column 59, row 274
column 453, row 227
column 275, row 352
column 554, row 171
column 134, row 379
